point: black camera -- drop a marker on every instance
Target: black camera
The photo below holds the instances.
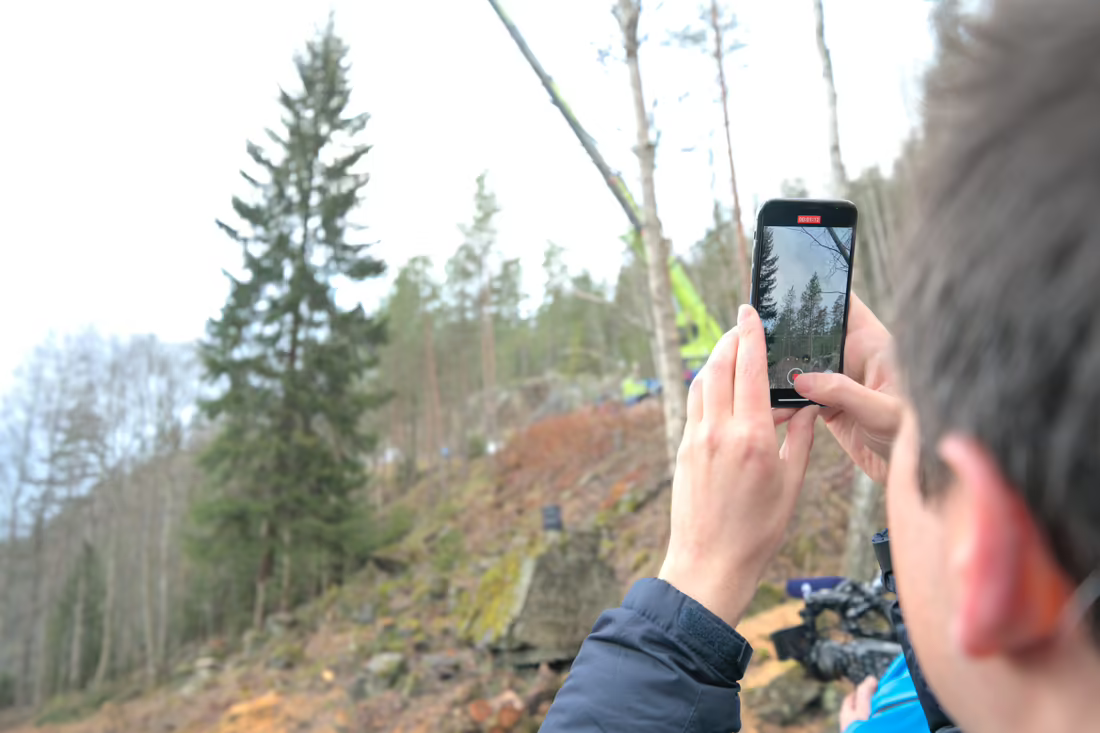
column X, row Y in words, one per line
column 867, row 635
column 845, row 632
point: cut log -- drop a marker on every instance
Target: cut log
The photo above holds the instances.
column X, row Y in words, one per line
column 509, row 715
column 480, row 711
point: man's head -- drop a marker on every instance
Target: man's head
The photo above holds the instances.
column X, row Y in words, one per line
column 994, row 494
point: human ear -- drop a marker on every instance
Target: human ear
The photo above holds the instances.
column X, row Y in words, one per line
column 1009, row 592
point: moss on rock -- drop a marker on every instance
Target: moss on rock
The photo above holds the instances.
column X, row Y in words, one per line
column 496, row 600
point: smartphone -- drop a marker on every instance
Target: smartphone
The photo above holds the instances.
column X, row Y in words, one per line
column 801, row 287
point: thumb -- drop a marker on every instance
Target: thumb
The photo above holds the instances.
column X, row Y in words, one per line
column 864, row 693
column 873, row 410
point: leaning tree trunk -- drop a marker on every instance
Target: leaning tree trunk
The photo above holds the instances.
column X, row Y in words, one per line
column 664, row 338
column 859, row 561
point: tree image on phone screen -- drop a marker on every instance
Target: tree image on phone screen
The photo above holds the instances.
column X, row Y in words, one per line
column 802, row 298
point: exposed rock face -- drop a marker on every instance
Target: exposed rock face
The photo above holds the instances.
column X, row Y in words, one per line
column 382, row 672
column 538, row 605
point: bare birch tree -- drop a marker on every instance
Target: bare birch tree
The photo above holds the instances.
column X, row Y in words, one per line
column 859, row 561
column 666, row 353
column 839, row 176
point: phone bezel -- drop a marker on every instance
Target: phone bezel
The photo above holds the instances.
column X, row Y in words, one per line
column 785, row 212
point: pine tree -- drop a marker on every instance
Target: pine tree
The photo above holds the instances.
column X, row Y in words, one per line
column 836, row 316
column 481, row 241
column 512, row 344
column 809, row 311
column 291, row 363
column 769, row 268
column 788, row 322
column 836, row 321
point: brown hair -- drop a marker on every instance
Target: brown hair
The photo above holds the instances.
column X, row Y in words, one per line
column 999, row 285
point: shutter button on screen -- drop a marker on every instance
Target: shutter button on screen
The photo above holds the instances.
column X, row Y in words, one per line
column 793, row 375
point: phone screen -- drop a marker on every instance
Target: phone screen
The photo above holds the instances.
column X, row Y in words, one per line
column 801, row 288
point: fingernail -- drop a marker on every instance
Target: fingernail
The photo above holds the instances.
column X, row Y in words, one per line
column 742, row 313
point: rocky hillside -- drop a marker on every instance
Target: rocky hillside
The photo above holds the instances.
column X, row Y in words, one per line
column 425, row 639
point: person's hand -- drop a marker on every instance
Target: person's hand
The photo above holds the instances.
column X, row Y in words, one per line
column 734, row 489
column 857, row 705
column 862, row 410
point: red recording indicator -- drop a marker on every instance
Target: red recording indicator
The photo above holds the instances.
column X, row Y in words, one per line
column 809, row 220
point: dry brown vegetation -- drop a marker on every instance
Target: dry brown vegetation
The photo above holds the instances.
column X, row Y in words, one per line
column 605, row 468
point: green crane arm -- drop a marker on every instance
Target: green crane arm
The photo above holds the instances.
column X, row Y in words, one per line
column 699, row 331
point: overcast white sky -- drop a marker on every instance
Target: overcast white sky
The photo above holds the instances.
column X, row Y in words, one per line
column 124, row 125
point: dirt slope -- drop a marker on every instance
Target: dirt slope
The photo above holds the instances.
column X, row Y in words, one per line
column 604, row 468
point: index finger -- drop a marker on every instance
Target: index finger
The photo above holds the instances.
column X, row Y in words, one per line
column 751, row 395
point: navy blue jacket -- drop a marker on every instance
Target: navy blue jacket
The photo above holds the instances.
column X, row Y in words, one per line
column 661, row 662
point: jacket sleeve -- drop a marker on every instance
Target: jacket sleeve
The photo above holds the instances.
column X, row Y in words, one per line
column 660, row 662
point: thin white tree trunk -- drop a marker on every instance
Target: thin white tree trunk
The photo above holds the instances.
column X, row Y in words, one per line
column 742, row 257
column 840, row 178
column 666, row 353
column 859, row 556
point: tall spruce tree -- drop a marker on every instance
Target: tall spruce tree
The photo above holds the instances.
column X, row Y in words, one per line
column 769, row 270
column 291, row 362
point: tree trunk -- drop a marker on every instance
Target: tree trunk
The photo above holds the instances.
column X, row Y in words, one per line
column 288, row 559
column 463, row 437
column 664, row 338
column 488, row 360
column 859, row 556
column 262, row 576
column 840, row 178
column 108, row 612
column 149, row 632
column 32, row 652
column 8, row 568
column 876, row 253
column 162, row 581
column 78, row 627
column 743, row 262
column 434, row 422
